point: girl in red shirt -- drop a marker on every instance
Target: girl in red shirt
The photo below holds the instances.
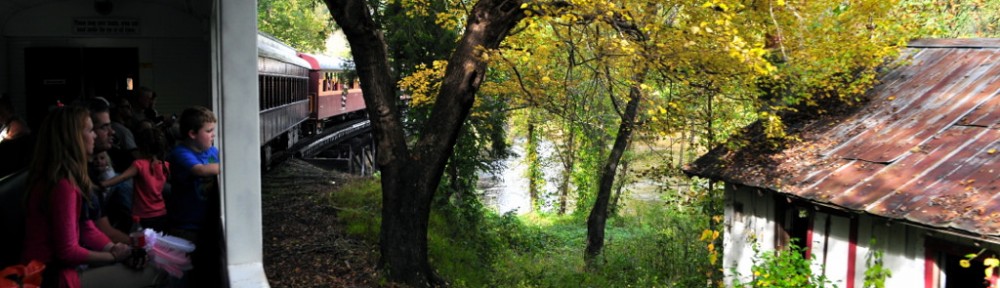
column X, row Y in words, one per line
column 151, row 173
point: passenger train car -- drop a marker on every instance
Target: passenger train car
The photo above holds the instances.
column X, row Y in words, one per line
column 282, row 80
column 334, row 94
column 300, row 94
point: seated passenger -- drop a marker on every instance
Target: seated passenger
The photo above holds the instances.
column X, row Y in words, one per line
column 11, row 127
column 113, row 213
column 123, row 148
column 58, row 186
column 16, row 142
column 142, row 106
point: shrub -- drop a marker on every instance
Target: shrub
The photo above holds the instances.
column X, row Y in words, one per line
column 782, row 268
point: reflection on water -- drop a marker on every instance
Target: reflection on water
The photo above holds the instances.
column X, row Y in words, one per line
column 508, row 190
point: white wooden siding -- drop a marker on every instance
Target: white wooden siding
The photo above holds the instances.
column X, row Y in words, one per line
column 831, row 247
column 865, row 229
column 754, row 223
column 902, row 245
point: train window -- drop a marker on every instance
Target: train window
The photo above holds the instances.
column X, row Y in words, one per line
column 260, row 92
column 281, row 92
column 267, row 92
column 270, row 92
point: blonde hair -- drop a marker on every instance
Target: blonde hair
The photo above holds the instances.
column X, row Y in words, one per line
column 61, row 152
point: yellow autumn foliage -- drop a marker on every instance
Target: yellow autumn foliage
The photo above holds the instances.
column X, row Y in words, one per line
column 423, row 85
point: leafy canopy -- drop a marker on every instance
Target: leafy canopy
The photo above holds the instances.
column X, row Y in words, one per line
column 302, row 24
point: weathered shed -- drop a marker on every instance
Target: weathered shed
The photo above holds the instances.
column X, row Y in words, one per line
column 916, row 167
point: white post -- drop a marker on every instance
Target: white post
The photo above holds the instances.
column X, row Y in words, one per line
column 234, row 68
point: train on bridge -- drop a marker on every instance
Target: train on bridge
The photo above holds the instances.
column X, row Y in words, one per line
column 300, row 94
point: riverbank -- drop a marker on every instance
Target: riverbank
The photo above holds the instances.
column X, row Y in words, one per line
column 321, row 230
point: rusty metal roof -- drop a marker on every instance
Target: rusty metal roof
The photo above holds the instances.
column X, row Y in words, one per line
column 925, row 148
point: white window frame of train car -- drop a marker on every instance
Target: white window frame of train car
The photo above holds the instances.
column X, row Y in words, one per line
column 234, row 89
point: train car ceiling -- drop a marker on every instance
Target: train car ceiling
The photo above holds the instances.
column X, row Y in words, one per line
column 166, row 47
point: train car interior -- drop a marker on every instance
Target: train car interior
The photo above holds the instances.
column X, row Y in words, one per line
column 55, row 52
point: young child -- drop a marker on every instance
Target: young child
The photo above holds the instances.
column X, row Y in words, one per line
column 151, row 173
column 103, row 163
column 197, row 163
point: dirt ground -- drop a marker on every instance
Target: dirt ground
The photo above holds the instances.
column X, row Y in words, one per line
column 304, row 245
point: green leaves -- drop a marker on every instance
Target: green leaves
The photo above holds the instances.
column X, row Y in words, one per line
column 875, row 272
column 303, row 24
column 784, row 268
column 953, row 18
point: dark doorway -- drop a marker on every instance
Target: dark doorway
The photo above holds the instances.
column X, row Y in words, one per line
column 957, row 276
column 65, row 74
column 792, row 225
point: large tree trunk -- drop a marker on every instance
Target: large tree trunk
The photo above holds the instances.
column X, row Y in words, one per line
column 410, row 177
column 599, row 214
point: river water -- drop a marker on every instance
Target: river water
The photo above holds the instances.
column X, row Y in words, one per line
column 508, row 190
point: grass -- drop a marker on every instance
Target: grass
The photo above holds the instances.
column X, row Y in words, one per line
column 472, row 246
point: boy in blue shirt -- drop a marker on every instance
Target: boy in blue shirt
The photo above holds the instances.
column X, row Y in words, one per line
column 195, row 164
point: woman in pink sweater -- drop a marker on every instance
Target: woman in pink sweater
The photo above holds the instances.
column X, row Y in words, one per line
column 59, row 187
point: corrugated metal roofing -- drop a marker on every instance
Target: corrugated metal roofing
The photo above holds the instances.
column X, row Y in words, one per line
column 925, row 148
